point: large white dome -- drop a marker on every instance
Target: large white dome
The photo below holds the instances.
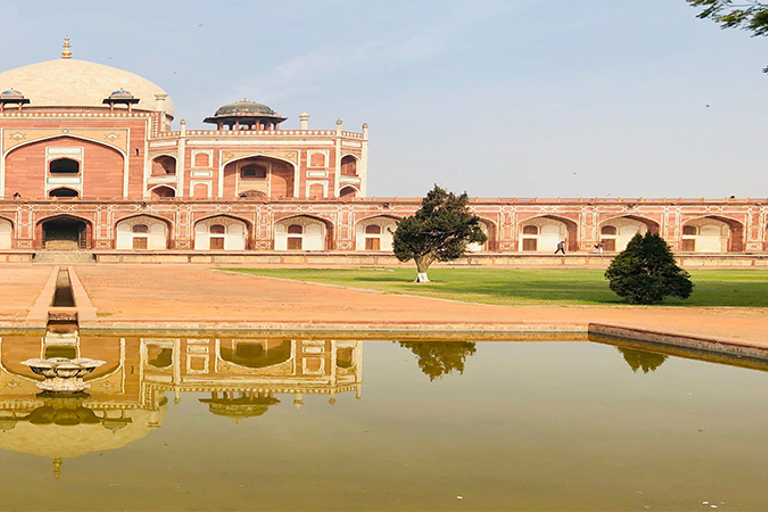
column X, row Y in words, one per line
column 77, row 83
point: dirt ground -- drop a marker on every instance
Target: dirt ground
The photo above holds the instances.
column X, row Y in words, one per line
column 164, row 293
column 20, row 285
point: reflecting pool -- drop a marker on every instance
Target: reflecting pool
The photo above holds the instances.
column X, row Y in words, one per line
column 307, row 424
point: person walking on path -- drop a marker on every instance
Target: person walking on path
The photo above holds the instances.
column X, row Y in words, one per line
column 560, row 247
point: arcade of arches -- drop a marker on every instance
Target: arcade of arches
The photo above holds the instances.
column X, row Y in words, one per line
column 541, row 234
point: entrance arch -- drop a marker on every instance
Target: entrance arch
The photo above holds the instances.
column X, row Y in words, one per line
column 65, row 233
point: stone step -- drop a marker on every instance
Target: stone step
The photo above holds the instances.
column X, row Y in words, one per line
column 63, row 257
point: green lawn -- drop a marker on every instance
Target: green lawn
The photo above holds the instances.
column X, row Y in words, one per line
column 530, row 286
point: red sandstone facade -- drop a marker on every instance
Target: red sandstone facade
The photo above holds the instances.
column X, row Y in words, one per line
column 105, row 173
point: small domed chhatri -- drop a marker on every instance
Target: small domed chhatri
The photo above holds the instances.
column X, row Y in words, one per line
column 246, row 115
column 121, row 97
column 12, row 96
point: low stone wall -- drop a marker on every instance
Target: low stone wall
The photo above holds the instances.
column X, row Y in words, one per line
column 598, row 261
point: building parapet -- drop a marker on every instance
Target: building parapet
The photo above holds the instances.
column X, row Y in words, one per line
column 251, row 133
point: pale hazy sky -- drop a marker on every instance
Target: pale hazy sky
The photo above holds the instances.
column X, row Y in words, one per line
column 514, row 98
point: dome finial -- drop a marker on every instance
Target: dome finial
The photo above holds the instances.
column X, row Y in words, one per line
column 66, row 54
column 57, row 462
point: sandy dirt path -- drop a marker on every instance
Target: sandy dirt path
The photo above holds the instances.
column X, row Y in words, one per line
column 20, row 285
column 160, row 293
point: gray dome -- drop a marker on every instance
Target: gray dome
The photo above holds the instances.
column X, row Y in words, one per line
column 245, row 108
column 11, row 94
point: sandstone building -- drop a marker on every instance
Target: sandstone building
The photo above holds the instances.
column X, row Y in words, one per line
column 89, row 161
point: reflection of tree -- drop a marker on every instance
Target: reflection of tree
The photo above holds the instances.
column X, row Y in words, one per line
column 637, row 359
column 437, row 358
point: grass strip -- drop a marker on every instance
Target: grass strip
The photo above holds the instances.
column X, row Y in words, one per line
column 511, row 286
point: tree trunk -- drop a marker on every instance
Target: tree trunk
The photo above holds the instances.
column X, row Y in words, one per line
column 422, row 264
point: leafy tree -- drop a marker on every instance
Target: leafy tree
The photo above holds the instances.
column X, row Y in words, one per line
column 645, row 272
column 751, row 15
column 439, row 231
column 745, row 14
column 638, row 359
column 438, row 358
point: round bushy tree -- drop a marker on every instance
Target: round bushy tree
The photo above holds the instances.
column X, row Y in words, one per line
column 441, row 230
column 645, row 272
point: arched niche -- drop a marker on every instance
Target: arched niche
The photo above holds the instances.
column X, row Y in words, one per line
column 348, row 192
column 489, row 229
column 142, row 232
column 348, row 165
column 302, row 233
column 271, row 176
column 221, row 233
column 163, row 165
column 375, row 233
column 6, row 233
column 162, row 192
column 712, row 234
column 541, row 234
column 615, row 233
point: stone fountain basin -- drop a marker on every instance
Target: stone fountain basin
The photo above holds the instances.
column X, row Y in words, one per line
column 63, row 368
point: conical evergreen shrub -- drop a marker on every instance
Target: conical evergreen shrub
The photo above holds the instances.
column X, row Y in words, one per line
column 645, row 272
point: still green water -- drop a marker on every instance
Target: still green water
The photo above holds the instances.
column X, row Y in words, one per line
column 222, row 424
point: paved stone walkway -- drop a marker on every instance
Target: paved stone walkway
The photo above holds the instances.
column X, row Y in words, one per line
column 165, row 293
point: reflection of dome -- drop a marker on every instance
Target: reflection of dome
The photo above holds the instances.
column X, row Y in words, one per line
column 56, row 441
column 245, row 406
column 77, row 83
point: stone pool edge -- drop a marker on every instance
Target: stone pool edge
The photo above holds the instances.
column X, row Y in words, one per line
column 712, row 344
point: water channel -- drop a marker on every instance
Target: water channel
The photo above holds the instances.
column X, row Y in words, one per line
column 218, row 423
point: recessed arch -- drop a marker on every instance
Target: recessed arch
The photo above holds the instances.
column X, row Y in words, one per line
column 6, row 233
column 348, row 164
column 316, row 236
column 63, row 232
column 163, row 165
column 367, row 239
column 651, row 225
column 713, row 233
column 142, row 231
column 546, row 239
column 162, row 192
column 615, row 232
column 489, row 228
column 349, row 192
column 222, row 233
column 280, row 181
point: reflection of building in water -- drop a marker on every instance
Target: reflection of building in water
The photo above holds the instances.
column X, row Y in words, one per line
column 126, row 400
